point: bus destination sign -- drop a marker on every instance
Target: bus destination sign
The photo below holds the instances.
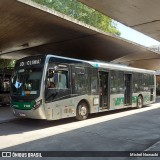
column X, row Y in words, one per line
column 30, row 62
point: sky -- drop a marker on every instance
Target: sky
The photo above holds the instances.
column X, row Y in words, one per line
column 135, row 36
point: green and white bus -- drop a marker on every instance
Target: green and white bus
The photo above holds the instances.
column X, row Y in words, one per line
column 53, row 87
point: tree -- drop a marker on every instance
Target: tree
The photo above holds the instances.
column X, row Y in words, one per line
column 81, row 12
column 6, row 63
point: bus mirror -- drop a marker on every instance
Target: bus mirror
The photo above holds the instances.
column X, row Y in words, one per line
column 50, row 73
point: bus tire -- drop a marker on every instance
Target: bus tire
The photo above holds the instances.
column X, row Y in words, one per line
column 139, row 102
column 82, row 111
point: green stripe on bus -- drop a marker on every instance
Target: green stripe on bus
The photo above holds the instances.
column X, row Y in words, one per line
column 146, row 98
column 134, row 99
column 23, row 105
column 119, row 101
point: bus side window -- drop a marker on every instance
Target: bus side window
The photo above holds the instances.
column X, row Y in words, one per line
column 51, row 85
column 59, row 80
column 116, row 82
column 81, row 80
column 94, row 81
column 50, row 79
column 94, row 84
column 62, row 84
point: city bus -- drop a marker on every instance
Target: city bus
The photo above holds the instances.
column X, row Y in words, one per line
column 53, row 87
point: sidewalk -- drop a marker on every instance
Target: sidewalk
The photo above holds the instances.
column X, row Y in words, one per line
column 6, row 114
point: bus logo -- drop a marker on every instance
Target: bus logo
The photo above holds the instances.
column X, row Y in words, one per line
column 6, row 154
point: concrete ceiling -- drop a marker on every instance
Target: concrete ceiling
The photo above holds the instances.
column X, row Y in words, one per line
column 142, row 15
column 27, row 28
column 144, row 60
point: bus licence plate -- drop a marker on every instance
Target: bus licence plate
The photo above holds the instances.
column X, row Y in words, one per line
column 22, row 114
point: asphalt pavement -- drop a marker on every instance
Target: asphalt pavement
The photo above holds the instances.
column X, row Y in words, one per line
column 6, row 114
column 145, row 134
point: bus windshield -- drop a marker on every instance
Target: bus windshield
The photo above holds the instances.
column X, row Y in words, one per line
column 26, row 81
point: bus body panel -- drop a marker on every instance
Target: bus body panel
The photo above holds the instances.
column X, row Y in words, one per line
column 39, row 113
column 59, row 107
column 67, row 107
column 116, row 101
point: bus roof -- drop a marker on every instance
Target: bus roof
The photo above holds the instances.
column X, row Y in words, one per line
column 110, row 66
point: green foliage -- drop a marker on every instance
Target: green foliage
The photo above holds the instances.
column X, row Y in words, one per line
column 7, row 63
column 81, row 12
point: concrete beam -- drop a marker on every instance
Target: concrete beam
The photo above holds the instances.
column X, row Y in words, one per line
column 142, row 15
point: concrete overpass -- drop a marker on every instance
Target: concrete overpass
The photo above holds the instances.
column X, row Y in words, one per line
column 141, row 15
column 27, row 28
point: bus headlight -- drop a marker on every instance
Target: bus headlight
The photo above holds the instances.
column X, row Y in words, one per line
column 38, row 104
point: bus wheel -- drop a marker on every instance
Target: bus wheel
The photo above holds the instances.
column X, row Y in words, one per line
column 82, row 111
column 139, row 102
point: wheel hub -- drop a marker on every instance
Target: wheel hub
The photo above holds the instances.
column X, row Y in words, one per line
column 83, row 111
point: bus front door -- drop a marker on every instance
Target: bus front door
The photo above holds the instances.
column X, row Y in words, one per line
column 104, row 90
column 128, row 89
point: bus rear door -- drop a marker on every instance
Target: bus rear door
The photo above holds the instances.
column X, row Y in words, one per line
column 128, row 89
column 104, row 89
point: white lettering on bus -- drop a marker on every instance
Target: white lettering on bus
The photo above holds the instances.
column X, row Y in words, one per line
column 22, row 64
column 31, row 62
column 27, row 106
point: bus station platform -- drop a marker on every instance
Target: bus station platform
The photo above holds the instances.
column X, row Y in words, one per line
column 6, row 114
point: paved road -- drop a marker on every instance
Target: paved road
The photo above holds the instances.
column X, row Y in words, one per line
column 125, row 130
column 6, row 114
